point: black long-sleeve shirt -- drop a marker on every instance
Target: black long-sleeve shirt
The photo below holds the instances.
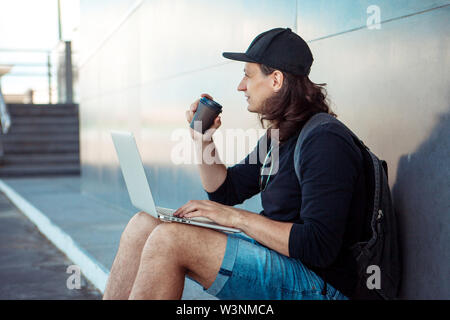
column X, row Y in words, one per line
column 326, row 209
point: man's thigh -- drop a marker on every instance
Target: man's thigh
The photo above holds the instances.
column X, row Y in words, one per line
column 199, row 250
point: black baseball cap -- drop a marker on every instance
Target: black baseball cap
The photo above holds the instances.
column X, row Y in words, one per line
column 278, row 48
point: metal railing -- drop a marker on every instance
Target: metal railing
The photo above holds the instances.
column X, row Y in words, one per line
column 63, row 52
column 5, row 119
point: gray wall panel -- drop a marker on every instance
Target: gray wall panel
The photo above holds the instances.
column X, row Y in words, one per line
column 145, row 72
column 322, row 18
column 391, row 86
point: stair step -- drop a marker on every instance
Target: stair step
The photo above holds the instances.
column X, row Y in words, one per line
column 11, row 159
column 44, row 120
column 43, row 105
column 36, row 111
column 38, row 137
column 38, row 147
column 43, row 129
column 27, row 170
column 42, row 140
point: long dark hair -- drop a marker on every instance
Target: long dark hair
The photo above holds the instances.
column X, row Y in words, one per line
column 298, row 99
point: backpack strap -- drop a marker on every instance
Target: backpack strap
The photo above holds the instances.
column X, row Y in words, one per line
column 317, row 120
column 323, row 118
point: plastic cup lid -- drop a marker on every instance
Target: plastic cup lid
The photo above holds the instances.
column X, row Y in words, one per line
column 211, row 103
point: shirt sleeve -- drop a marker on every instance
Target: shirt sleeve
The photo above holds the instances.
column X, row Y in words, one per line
column 242, row 181
column 329, row 166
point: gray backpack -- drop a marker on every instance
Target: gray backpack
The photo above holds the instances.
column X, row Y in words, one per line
column 380, row 252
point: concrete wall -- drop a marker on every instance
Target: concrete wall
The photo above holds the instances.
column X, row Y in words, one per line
column 144, row 62
column 391, row 85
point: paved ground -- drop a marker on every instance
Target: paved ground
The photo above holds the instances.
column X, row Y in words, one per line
column 30, row 266
column 94, row 224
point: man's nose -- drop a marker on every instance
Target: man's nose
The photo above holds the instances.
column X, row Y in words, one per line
column 242, row 86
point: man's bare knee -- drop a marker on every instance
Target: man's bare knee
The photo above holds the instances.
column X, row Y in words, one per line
column 168, row 240
column 139, row 227
column 197, row 250
column 166, row 235
column 143, row 217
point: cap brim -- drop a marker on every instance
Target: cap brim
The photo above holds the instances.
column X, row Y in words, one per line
column 238, row 56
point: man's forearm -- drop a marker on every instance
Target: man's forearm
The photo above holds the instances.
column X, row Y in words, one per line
column 273, row 234
column 212, row 171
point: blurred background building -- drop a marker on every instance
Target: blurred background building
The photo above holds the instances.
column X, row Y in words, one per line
column 33, row 40
column 37, row 47
column 139, row 64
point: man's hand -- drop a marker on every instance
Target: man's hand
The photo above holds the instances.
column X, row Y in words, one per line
column 221, row 214
column 197, row 136
column 270, row 233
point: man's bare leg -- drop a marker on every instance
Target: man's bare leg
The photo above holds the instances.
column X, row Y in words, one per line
column 172, row 251
column 126, row 263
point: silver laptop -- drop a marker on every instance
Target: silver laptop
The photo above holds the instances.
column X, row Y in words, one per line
column 139, row 189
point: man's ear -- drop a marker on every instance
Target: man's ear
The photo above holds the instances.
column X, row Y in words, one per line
column 277, row 80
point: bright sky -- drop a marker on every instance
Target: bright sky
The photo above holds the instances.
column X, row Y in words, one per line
column 32, row 24
column 28, row 23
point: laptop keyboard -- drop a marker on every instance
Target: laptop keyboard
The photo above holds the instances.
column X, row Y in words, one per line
column 165, row 211
column 169, row 212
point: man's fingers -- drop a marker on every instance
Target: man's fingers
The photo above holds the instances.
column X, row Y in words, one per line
column 217, row 123
column 188, row 207
column 189, row 115
column 206, row 95
column 194, row 106
column 199, row 208
column 191, row 206
column 195, row 213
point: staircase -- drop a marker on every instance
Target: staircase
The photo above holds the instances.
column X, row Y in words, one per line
column 43, row 140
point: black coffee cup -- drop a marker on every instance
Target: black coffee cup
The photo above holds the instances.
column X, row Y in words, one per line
column 206, row 112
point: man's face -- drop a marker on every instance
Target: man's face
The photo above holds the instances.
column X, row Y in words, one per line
column 256, row 86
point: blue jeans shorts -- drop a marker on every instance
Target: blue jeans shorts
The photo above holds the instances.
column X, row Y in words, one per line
column 250, row 270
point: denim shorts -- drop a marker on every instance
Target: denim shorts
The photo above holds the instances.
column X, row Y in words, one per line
column 250, row 270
